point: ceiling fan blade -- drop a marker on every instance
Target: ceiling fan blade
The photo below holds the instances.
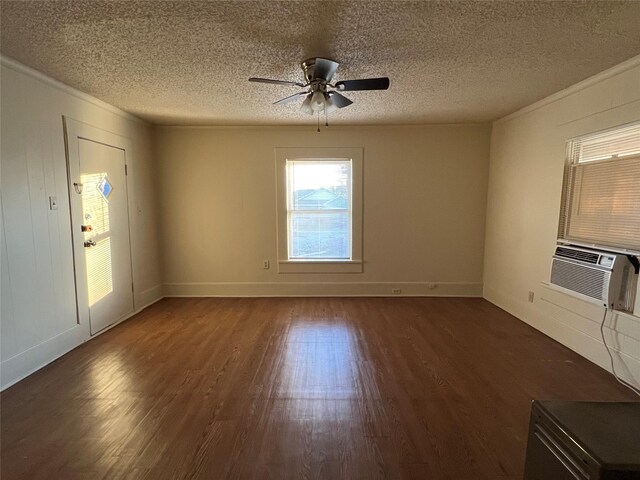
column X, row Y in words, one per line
column 290, row 98
column 339, row 101
column 306, row 105
column 275, row 82
column 325, row 69
column 363, row 84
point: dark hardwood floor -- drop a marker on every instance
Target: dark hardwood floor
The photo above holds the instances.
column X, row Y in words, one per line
column 330, row 388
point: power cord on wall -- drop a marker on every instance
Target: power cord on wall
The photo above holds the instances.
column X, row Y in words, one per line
column 613, row 369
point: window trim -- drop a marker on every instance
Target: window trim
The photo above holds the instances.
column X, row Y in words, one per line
column 355, row 264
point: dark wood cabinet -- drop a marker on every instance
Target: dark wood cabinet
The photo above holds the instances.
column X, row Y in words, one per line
column 583, row 441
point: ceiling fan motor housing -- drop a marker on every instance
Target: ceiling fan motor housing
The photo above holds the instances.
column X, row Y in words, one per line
column 311, row 74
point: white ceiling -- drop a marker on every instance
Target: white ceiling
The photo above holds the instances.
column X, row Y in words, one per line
column 187, row 62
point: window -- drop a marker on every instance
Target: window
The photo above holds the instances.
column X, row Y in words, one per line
column 319, row 210
column 601, row 193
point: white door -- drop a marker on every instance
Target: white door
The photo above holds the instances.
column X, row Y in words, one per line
column 101, row 230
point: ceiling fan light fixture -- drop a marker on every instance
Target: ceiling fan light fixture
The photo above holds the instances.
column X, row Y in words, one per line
column 321, row 95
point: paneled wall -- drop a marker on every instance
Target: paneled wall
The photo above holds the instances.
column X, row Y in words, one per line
column 38, row 311
column 525, row 184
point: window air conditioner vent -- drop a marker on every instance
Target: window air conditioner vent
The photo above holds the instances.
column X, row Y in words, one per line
column 579, row 279
column 582, row 255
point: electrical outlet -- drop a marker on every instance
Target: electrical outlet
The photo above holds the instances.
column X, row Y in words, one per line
column 431, row 286
column 531, row 297
column 396, row 291
column 265, row 264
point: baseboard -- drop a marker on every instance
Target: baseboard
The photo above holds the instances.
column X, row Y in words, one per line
column 14, row 369
column 33, row 359
column 556, row 320
column 323, row 289
column 148, row 297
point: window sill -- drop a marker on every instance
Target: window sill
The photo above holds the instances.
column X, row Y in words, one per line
column 322, row 266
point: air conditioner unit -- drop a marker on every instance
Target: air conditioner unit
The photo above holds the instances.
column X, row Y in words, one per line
column 602, row 277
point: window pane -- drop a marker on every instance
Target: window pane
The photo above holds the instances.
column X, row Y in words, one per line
column 320, row 235
column 320, row 185
column 319, row 193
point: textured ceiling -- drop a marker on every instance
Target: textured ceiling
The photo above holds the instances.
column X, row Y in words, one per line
column 187, row 62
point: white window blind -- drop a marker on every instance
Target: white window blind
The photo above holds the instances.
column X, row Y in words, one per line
column 601, row 198
column 618, row 143
column 319, row 213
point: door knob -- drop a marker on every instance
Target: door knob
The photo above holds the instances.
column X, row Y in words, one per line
column 89, row 243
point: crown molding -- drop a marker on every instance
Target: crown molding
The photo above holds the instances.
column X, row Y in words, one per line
column 22, row 68
column 573, row 89
column 312, row 126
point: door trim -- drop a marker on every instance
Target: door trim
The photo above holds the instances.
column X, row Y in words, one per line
column 75, row 130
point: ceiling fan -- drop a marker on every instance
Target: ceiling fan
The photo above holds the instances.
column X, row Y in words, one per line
column 320, row 94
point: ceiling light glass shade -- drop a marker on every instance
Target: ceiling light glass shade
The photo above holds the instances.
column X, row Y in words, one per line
column 329, row 105
column 317, row 101
column 306, row 105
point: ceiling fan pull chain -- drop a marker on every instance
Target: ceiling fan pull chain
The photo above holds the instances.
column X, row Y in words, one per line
column 318, row 121
column 326, row 117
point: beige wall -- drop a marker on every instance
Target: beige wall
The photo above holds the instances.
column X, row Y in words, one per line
column 527, row 161
column 424, row 209
column 38, row 319
column 208, row 195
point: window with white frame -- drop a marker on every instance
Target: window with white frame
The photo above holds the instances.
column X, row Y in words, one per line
column 601, row 193
column 319, row 210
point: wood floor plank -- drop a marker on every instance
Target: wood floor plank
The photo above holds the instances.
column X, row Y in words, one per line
column 300, row 388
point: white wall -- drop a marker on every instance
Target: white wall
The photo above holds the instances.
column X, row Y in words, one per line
column 525, row 183
column 424, row 209
column 38, row 312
